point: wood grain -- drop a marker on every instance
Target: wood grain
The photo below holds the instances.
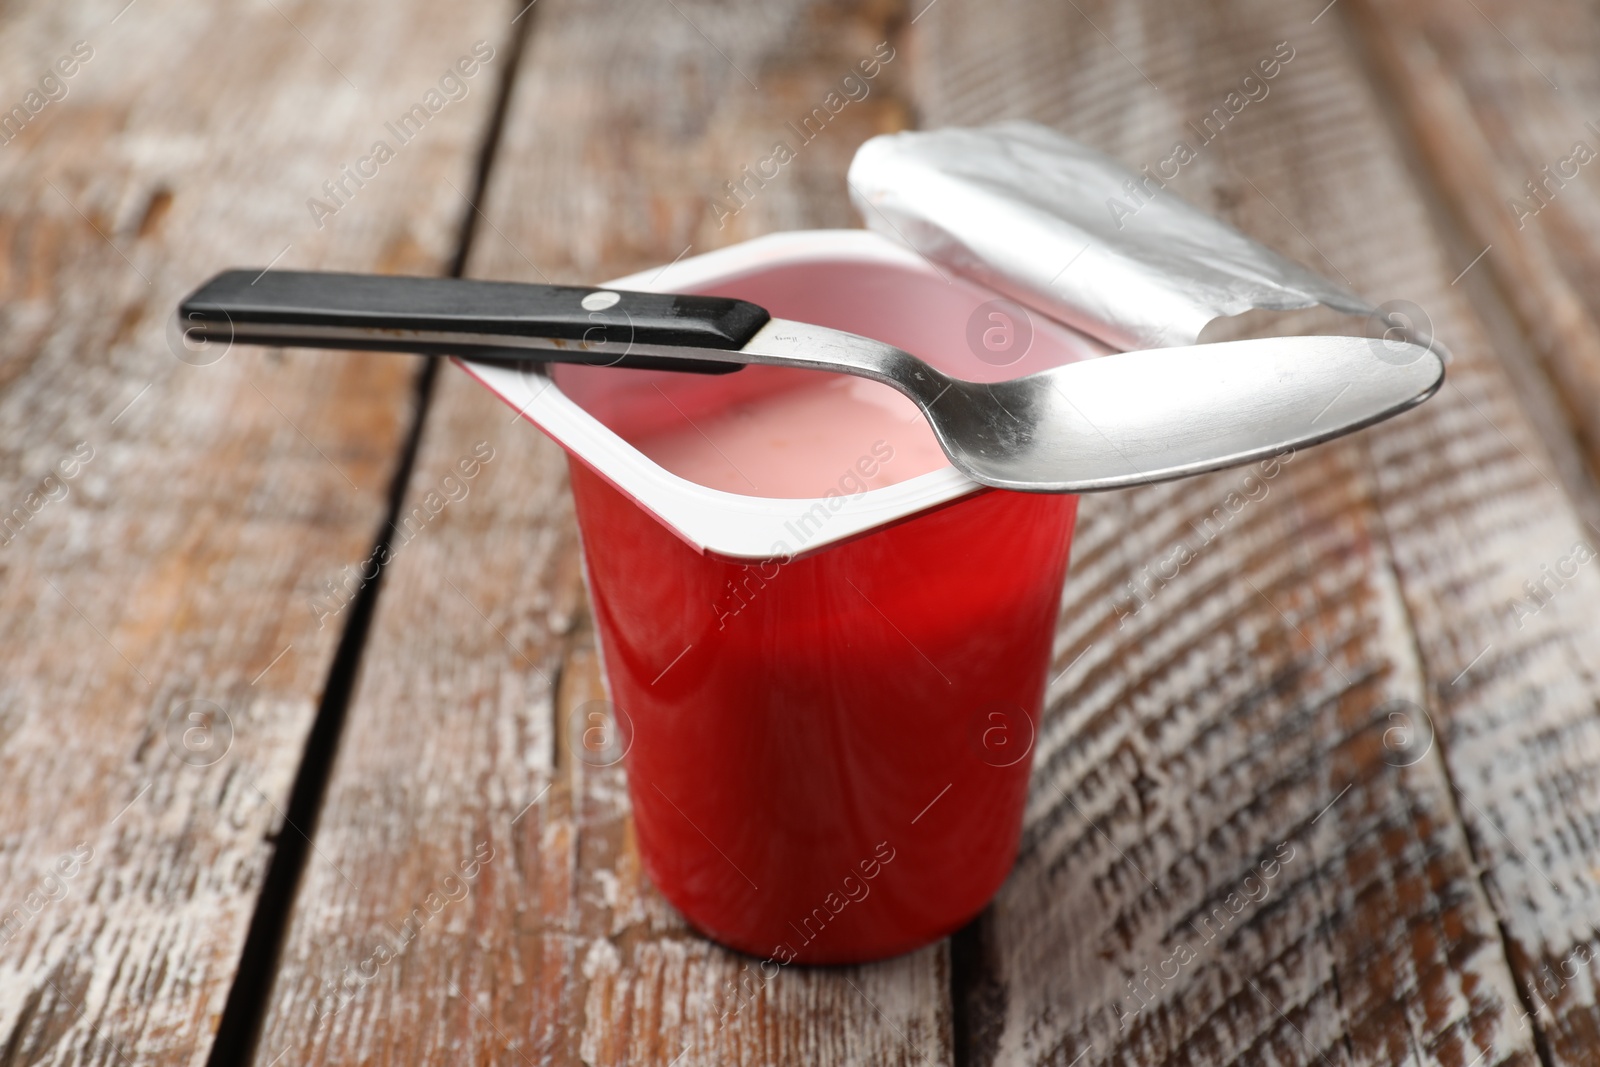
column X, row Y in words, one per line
column 178, row 562
column 616, row 146
column 1326, row 794
column 1249, row 700
column 1494, row 97
column 1500, row 90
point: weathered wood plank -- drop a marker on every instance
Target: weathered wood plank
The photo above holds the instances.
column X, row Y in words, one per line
column 1207, row 715
column 1481, row 83
column 1499, row 103
column 175, row 558
column 617, row 144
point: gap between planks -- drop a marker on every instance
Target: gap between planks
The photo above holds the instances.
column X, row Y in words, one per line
column 239, row 1029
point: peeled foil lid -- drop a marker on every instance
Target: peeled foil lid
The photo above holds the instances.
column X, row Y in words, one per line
column 1035, row 216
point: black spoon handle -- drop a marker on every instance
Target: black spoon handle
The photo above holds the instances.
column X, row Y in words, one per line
column 496, row 322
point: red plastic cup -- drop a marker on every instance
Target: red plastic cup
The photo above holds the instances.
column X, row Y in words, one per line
column 836, row 772
column 828, row 737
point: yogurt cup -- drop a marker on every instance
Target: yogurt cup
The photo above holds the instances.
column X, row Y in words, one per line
column 826, row 650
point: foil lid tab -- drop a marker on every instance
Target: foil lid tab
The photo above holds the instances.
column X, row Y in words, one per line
column 1073, row 234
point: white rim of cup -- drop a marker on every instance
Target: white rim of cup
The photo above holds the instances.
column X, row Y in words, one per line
column 710, row 520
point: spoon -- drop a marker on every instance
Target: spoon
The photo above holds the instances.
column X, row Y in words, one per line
column 1121, row 420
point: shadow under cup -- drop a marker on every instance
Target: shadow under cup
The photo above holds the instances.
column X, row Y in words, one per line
column 829, row 749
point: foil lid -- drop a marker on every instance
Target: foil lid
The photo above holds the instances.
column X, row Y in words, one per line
column 1073, row 234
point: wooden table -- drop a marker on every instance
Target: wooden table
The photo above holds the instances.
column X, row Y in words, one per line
column 1330, row 794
